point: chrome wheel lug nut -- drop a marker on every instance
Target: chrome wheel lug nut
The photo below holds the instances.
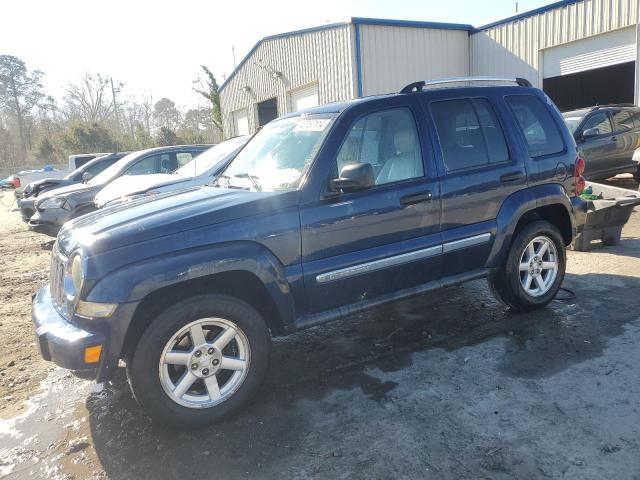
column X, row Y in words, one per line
column 215, row 362
column 211, row 351
column 205, row 371
column 194, row 366
column 198, row 353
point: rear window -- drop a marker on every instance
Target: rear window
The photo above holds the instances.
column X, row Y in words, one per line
column 537, row 125
column 469, row 133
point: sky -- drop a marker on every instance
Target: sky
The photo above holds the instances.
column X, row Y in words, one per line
column 155, row 47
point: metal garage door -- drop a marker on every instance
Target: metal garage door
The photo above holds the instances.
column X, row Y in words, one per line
column 304, row 97
column 594, row 52
column 240, row 122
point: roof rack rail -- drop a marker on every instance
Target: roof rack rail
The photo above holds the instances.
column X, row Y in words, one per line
column 613, row 105
column 418, row 86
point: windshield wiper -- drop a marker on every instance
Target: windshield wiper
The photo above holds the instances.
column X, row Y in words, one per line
column 252, row 178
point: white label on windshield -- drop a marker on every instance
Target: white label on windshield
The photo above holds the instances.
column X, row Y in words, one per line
column 312, row 125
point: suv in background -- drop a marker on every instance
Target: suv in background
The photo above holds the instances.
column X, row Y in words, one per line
column 324, row 213
column 609, row 138
column 79, row 159
column 86, row 172
column 55, row 207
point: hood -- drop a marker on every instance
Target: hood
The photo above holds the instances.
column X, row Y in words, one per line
column 64, row 191
column 166, row 214
column 132, row 184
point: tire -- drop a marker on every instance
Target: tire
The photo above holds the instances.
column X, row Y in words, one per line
column 506, row 282
column 152, row 380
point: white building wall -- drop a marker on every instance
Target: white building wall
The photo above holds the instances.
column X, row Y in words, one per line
column 394, row 56
column 515, row 48
column 322, row 56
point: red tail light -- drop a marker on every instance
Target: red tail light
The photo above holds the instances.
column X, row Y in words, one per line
column 578, row 170
column 16, row 182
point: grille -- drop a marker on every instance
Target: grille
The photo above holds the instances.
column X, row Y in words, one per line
column 56, row 280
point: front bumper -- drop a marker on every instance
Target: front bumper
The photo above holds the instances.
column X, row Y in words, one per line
column 59, row 341
column 27, row 208
column 49, row 221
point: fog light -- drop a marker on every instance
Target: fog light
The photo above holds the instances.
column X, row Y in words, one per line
column 92, row 354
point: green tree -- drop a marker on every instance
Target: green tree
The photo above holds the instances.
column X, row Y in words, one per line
column 20, row 91
column 166, row 114
column 87, row 137
column 209, row 89
column 167, row 137
column 46, row 152
column 142, row 136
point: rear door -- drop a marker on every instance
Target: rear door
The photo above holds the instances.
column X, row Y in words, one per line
column 362, row 245
column 479, row 171
column 599, row 152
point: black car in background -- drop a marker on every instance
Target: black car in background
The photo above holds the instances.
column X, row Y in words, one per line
column 609, row 138
column 84, row 173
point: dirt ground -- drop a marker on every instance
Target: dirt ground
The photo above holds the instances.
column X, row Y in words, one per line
column 448, row 385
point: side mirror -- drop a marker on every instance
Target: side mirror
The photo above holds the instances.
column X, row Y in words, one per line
column 354, row 177
column 86, row 176
column 591, row 132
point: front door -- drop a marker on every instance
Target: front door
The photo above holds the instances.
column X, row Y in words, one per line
column 362, row 245
column 599, row 151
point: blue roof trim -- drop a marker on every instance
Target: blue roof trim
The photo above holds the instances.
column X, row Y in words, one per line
column 530, row 13
column 279, row 35
column 411, row 23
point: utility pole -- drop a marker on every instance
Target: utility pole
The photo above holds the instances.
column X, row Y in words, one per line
column 516, row 6
column 233, row 53
column 115, row 103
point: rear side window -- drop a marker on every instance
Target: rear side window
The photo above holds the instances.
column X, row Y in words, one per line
column 536, row 123
column 469, row 133
column 623, row 120
column 96, row 168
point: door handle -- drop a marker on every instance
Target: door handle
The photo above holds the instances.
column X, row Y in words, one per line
column 613, row 139
column 511, row 177
column 416, row 198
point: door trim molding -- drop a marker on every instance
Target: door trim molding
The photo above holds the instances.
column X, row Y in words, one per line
column 396, row 260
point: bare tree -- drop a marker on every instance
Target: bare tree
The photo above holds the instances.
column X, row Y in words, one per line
column 166, row 114
column 20, row 91
column 90, row 100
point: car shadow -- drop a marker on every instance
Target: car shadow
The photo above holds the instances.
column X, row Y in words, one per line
column 338, row 358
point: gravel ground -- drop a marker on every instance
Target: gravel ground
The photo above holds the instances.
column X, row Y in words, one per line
column 448, row 385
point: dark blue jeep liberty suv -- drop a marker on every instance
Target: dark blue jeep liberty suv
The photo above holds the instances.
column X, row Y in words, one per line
column 323, row 213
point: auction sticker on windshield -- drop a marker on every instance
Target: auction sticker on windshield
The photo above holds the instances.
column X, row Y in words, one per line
column 312, row 125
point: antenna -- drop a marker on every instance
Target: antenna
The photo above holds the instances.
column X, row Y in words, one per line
column 233, row 53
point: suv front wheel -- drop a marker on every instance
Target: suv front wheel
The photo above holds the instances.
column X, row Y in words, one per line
column 534, row 268
column 200, row 361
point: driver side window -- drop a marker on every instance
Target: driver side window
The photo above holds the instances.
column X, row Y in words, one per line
column 387, row 140
column 600, row 121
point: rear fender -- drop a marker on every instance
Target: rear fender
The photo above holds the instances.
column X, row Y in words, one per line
column 515, row 206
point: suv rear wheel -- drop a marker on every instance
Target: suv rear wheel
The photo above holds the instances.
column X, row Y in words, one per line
column 534, row 269
column 200, row 361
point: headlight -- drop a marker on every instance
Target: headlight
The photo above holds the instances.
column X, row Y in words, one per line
column 77, row 273
column 53, row 202
column 74, row 279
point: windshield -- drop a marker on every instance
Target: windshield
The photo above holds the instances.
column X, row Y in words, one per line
column 212, row 158
column 108, row 174
column 279, row 155
column 572, row 123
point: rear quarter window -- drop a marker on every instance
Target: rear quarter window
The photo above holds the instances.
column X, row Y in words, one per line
column 540, row 131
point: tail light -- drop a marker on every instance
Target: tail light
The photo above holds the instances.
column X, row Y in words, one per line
column 16, row 181
column 578, row 170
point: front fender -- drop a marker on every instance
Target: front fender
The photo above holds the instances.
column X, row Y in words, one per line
column 519, row 203
column 133, row 282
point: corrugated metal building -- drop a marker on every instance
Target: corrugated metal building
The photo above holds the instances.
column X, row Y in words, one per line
column 582, row 52
column 287, row 72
